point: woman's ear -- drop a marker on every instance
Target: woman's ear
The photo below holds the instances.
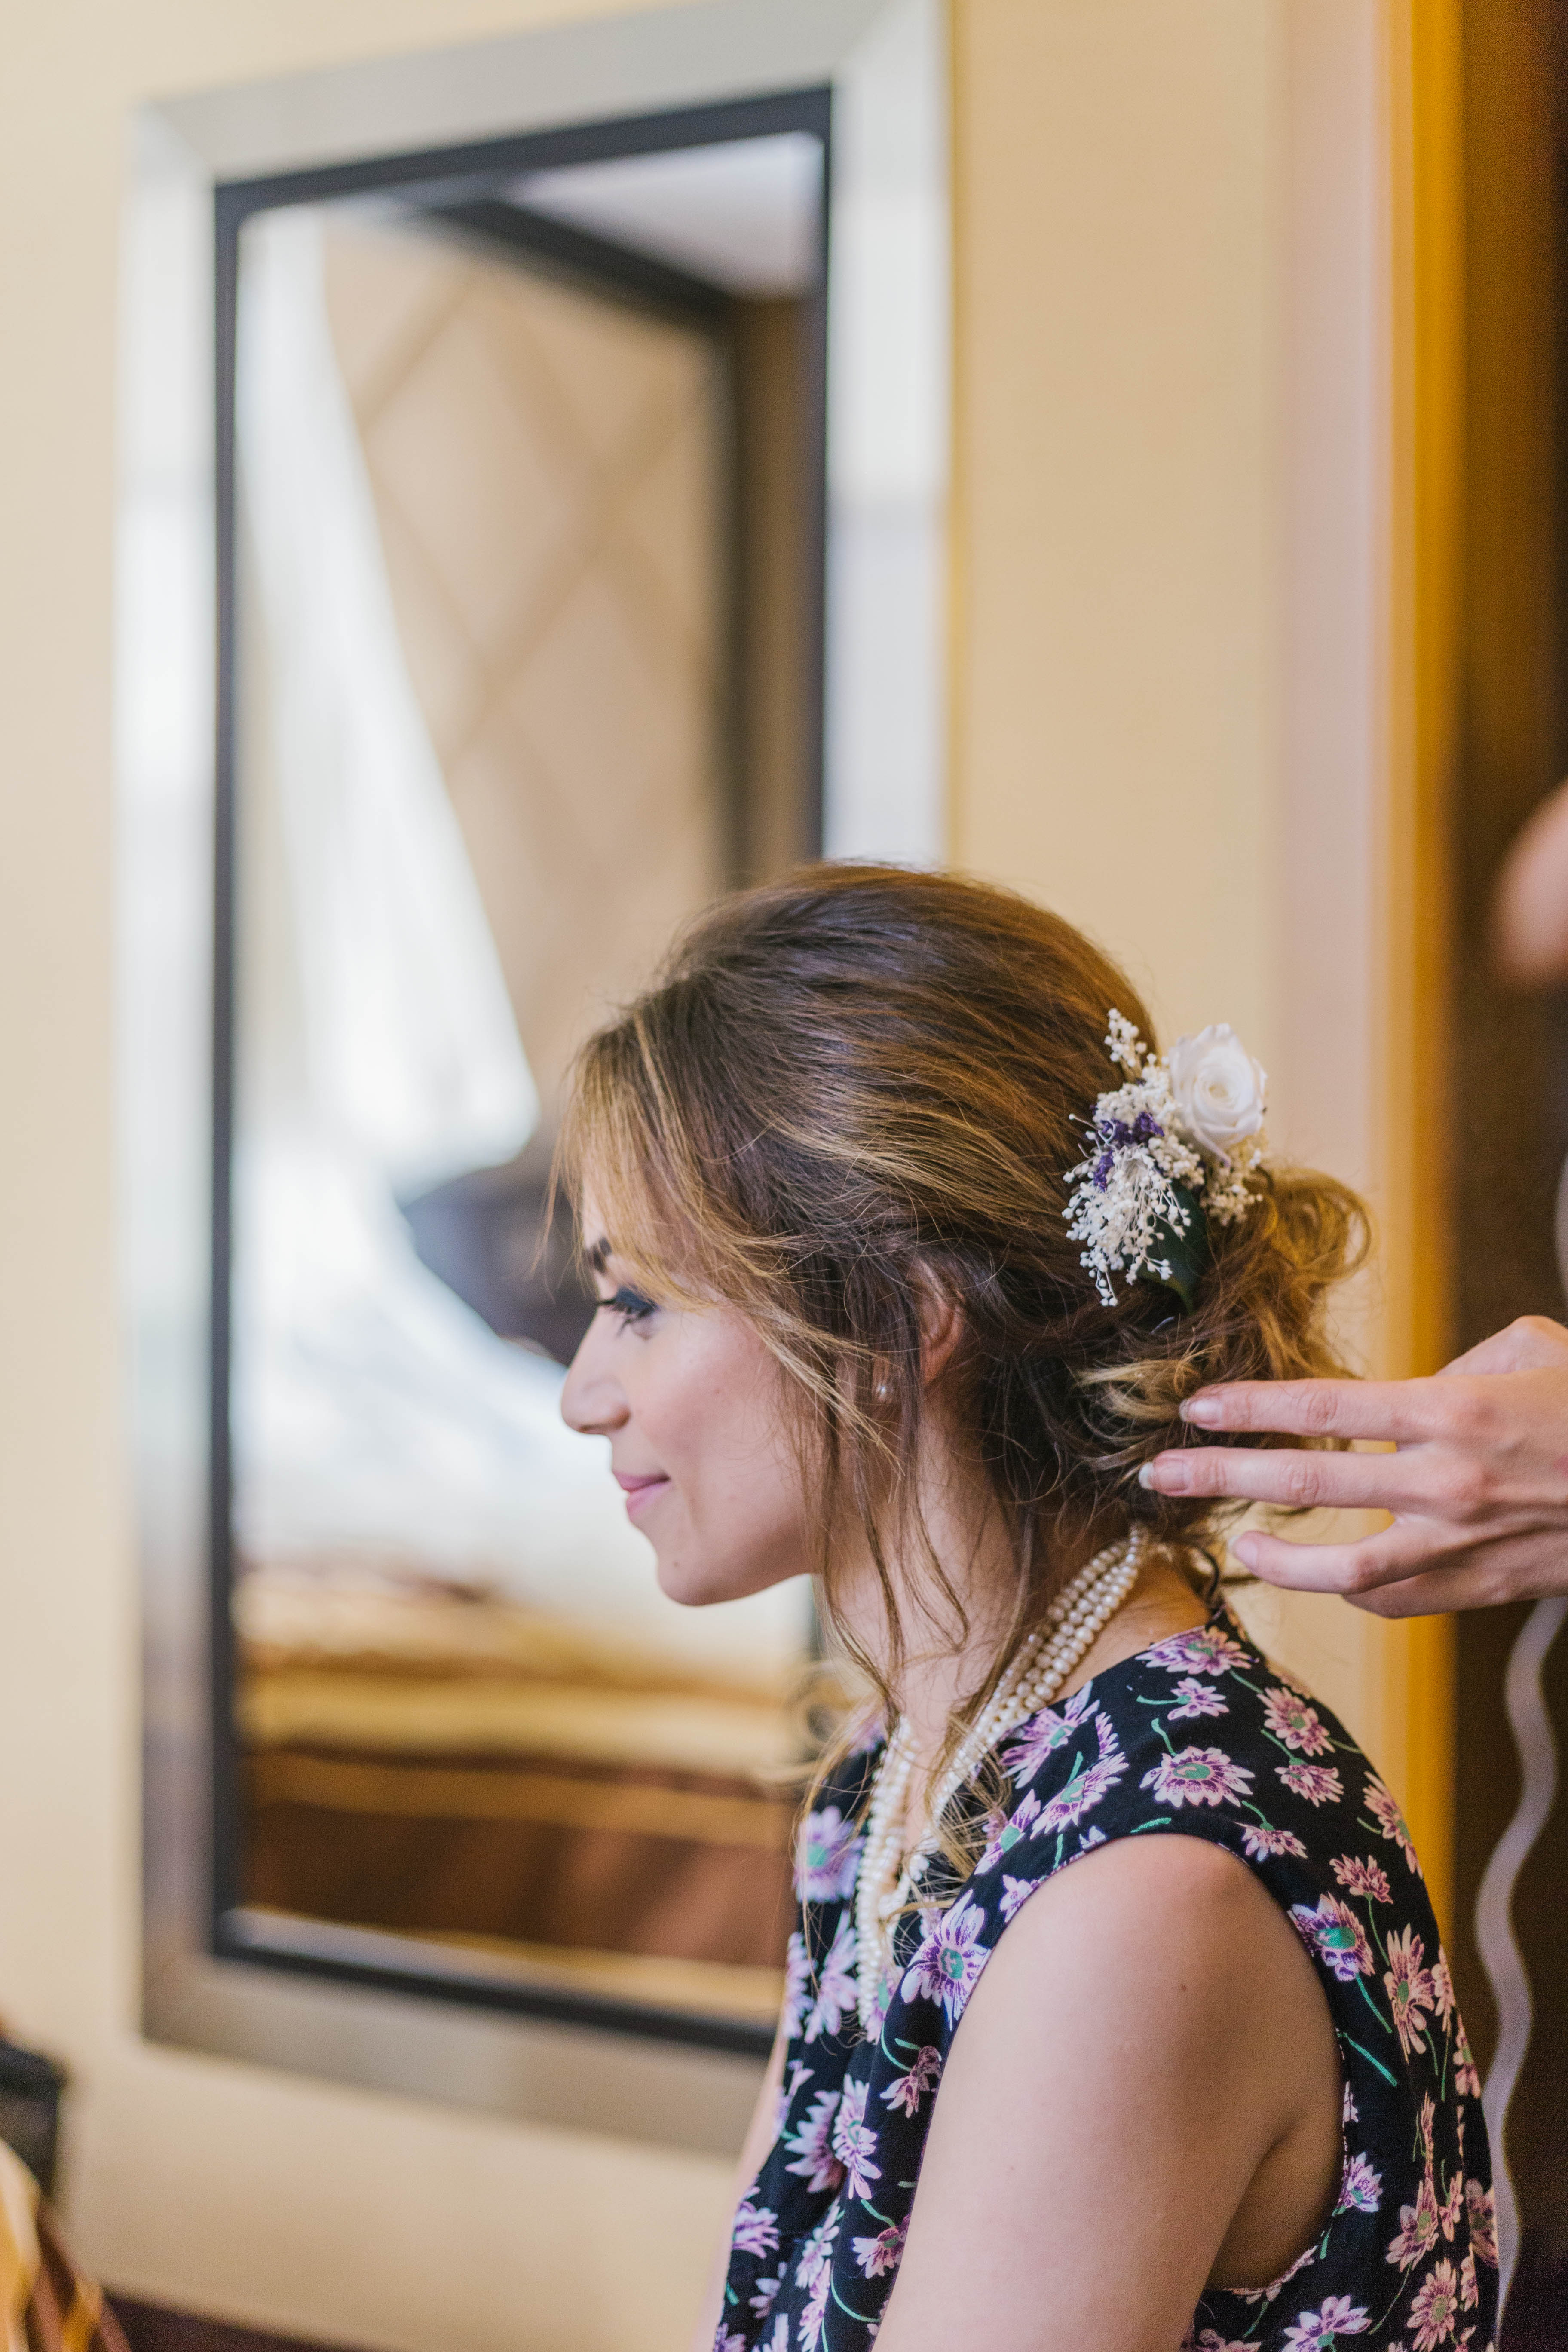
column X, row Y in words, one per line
column 942, row 1326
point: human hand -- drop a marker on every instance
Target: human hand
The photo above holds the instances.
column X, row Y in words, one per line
column 1478, row 1485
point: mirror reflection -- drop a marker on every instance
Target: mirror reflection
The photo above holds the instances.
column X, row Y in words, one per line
column 527, row 667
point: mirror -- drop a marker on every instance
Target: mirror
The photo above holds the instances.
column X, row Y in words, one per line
column 522, row 488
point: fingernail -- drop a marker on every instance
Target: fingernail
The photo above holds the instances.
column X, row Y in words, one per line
column 1146, row 1473
column 1173, row 1474
column 1205, row 1410
column 1244, row 1548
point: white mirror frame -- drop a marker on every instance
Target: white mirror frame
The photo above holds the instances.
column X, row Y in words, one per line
column 885, row 735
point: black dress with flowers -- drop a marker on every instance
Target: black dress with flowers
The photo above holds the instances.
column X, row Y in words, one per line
column 1201, row 1736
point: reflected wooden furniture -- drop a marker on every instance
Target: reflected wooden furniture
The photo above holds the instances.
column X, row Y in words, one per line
column 150, row 2327
column 452, row 1766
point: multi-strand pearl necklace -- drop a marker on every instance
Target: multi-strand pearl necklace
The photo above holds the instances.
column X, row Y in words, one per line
column 1041, row 1664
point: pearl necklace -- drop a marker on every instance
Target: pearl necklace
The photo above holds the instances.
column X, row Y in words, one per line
column 1039, row 1667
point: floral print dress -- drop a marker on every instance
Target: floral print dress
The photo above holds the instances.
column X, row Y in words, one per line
column 1199, row 1736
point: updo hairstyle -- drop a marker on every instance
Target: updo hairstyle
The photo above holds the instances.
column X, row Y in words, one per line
column 863, row 1085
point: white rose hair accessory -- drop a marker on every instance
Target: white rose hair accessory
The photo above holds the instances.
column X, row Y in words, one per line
column 1170, row 1150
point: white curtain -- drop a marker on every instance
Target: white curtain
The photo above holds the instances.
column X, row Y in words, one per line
column 375, row 1415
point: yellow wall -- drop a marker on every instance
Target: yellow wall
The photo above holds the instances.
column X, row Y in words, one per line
column 1123, row 644
column 1207, row 318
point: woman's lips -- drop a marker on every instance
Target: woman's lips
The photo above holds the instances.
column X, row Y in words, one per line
column 640, row 1490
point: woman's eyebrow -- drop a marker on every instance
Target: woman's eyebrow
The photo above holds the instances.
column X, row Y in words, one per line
column 598, row 1256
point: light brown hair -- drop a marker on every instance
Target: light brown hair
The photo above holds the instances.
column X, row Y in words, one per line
column 861, row 1087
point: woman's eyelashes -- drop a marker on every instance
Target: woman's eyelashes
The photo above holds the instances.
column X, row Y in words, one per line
column 629, row 1305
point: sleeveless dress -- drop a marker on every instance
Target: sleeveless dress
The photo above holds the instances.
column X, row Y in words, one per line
column 1199, row 1736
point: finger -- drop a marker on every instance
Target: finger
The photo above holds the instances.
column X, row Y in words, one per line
column 1298, row 1481
column 1436, row 1592
column 1403, row 1410
column 1352, row 1570
column 1425, row 1591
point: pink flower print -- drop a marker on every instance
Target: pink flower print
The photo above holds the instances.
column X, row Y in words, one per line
column 1197, row 1775
column 1004, row 1833
column 871, row 1734
column 1295, row 1724
column 1361, row 2191
column 909, row 2089
column 1198, row 1699
column 1453, row 2205
column 1409, row 1989
column 797, row 2075
column 1391, row 1821
column 1334, row 1933
column 1429, row 2119
column 1276, row 2287
column 1442, row 1986
column 1085, row 1790
column 1417, row 2228
column 854, row 2142
column 757, row 2229
column 1212, row 2341
column 1435, row 2313
column 779, row 2340
column 1361, row 1875
column 817, row 2254
column 879, row 2255
column 1205, row 1651
column 812, row 2145
column 1467, row 2081
column 729, row 2340
column 947, row 1967
column 881, row 2002
column 1469, row 2293
column 816, row 2272
column 798, row 1984
column 1351, row 2112
column 1315, row 2331
column 1043, row 1734
column 1260, row 1841
column 1319, row 1783
column 826, row 1856
column 1482, row 2221
column 1015, row 1893
column 835, row 1993
column 767, row 2293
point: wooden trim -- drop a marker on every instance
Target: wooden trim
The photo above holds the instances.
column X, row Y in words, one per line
column 1422, row 67
column 956, row 568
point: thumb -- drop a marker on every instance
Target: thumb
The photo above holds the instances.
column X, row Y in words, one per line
column 1532, row 1344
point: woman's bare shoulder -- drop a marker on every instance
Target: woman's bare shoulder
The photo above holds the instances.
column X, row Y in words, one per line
column 1152, row 2009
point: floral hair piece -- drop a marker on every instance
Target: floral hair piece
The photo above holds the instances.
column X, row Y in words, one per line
column 1171, row 1150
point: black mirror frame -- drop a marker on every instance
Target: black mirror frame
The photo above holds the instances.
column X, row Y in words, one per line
column 454, row 182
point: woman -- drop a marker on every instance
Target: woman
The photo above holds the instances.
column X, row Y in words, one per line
column 1206, row 2086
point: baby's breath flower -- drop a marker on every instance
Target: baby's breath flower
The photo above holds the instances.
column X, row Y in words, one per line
column 1141, row 1159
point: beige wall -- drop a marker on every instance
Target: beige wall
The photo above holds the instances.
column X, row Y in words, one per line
column 1122, row 739
column 1184, row 692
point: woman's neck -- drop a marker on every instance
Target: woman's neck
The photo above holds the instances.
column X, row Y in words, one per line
column 937, row 1672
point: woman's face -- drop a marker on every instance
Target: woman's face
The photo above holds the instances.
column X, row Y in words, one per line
column 694, row 1408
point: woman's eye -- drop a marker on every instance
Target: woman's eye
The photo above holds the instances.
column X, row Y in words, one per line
column 629, row 1305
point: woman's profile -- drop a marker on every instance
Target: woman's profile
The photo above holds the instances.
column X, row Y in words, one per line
column 1116, row 2014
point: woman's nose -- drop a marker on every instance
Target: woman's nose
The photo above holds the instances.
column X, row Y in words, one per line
column 593, row 1401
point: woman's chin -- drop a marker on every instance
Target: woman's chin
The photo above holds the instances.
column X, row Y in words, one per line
column 696, row 1588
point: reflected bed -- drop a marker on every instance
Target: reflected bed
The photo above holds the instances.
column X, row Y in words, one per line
column 449, row 1766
